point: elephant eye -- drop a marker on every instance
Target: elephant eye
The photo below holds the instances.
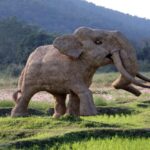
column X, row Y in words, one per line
column 98, row 42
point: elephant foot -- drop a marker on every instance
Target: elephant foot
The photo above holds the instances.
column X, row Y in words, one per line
column 88, row 112
column 17, row 113
column 82, row 113
column 57, row 115
column 71, row 114
column 71, row 117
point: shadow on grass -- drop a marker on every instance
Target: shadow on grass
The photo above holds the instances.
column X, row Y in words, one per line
column 101, row 111
column 6, row 112
column 114, row 111
column 144, row 104
column 79, row 136
column 147, row 102
column 87, row 124
column 14, row 135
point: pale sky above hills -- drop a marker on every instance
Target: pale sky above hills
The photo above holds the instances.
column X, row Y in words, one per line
column 140, row 8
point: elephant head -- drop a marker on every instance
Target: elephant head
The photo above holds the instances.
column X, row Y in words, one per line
column 101, row 47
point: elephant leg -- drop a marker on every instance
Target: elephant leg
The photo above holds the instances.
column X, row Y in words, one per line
column 60, row 106
column 20, row 108
column 73, row 107
column 87, row 106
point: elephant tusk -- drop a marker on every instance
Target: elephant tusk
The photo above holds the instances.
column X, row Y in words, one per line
column 143, row 77
column 121, row 69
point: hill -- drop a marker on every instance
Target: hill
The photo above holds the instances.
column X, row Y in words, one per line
column 64, row 16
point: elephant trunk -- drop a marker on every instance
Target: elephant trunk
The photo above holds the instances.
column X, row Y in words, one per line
column 126, row 62
column 127, row 54
column 125, row 78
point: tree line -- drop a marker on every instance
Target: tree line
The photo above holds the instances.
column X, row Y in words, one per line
column 70, row 14
column 18, row 40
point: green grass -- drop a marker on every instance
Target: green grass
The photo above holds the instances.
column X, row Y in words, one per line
column 107, row 78
column 99, row 101
column 115, row 143
column 42, row 106
column 104, row 78
column 38, row 131
column 6, row 103
column 123, row 122
column 7, row 81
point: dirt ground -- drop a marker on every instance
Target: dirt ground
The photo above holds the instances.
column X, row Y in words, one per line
column 6, row 94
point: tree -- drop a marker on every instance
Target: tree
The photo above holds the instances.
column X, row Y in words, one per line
column 34, row 40
column 18, row 40
column 144, row 54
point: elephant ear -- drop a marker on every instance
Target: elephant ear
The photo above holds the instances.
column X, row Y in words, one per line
column 68, row 45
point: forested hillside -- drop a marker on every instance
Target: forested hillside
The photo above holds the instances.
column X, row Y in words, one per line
column 66, row 15
column 19, row 36
column 17, row 41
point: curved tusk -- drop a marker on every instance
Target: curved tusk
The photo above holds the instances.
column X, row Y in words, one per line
column 143, row 77
column 121, row 69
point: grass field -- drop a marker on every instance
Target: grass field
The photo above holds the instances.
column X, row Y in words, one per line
column 122, row 123
column 116, row 143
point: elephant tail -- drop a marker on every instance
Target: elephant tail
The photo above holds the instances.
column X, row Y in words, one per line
column 15, row 95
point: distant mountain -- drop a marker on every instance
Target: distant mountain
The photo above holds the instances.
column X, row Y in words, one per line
column 65, row 15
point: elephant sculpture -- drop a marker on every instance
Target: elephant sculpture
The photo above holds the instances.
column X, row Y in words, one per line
column 67, row 67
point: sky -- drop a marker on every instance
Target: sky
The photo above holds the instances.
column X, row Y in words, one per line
column 140, row 8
